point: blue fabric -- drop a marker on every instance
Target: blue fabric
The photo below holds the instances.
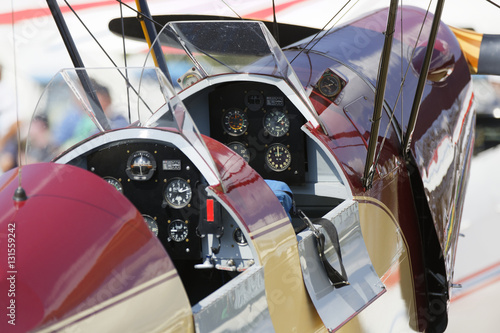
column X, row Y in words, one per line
column 283, row 193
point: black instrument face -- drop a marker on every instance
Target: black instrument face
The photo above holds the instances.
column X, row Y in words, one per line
column 329, row 85
column 162, row 183
column 115, row 183
column 276, row 123
column 235, row 122
column 151, row 223
column 278, row 157
column 178, row 193
column 178, row 231
column 262, row 125
column 141, row 165
column 240, row 149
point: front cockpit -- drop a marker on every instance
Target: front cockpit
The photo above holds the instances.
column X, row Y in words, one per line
column 156, row 158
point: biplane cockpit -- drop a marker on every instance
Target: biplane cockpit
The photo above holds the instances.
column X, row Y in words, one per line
column 151, row 141
column 241, row 91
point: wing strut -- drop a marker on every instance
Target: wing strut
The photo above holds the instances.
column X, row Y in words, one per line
column 380, row 96
column 422, row 79
column 150, row 33
column 78, row 63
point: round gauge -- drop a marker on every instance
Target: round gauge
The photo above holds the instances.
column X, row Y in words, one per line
column 151, row 223
column 238, row 237
column 278, row 157
column 178, row 230
column 254, row 100
column 188, row 79
column 329, row 85
column 240, row 149
column 276, row 123
column 178, row 193
column 141, row 166
column 115, row 183
column 235, row 122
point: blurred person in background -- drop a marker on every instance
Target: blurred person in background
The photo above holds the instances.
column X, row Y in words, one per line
column 8, row 126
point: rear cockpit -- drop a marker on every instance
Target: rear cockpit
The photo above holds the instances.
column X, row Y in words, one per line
column 247, row 96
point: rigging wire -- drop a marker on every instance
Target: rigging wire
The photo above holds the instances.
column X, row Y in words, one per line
column 150, row 19
column 109, row 57
column 401, row 87
column 494, row 4
column 125, row 63
column 231, row 9
column 335, row 24
column 19, row 194
column 322, row 30
column 275, row 25
column 16, row 93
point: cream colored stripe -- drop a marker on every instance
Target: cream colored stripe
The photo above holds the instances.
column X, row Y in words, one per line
column 267, row 227
column 105, row 304
column 380, row 203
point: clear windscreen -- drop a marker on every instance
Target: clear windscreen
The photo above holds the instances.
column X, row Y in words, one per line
column 203, row 49
column 79, row 104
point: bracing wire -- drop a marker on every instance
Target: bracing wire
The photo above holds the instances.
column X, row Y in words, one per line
column 16, row 94
column 335, row 24
column 108, row 56
column 150, row 19
column 125, row 63
column 231, row 9
column 494, row 4
column 322, row 30
column 402, row 84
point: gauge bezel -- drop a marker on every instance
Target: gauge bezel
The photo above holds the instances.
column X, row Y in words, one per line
column 226, row 122
column 151, row 221
column 270, row 162
column 244, row 152
column 326, row 91
column 114, row 182
column 270, row 128
column 185, row 201
column 185, row 229
column 254, row 106
column 242, row 241
column 150, row 172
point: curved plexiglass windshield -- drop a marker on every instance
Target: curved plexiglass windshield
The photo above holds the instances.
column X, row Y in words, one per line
column 204, row 49
column 79, row 104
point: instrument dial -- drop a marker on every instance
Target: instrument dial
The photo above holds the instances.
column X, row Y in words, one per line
column 188, row 79
column 141, row 166
column 278, row 157
column 235, row 122
column 240, row 149
column 178, row 193
column 151, row 223
column 239, row 238
column 178, row 230
column 276, row 123
column 329, row 85
column 115, row 183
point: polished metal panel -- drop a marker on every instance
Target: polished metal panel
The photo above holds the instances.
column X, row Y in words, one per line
column 238, row 306
column 337, row 306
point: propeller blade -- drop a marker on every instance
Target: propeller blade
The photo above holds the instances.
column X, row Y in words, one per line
column 480, row 50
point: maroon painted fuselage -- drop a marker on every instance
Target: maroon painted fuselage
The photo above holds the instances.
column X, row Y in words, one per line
column 432, row 181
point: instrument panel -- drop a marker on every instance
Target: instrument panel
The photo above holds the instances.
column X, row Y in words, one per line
column 164, row 186
column 260, row 123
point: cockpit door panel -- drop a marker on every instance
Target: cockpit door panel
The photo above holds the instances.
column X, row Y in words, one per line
column 336, row 306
